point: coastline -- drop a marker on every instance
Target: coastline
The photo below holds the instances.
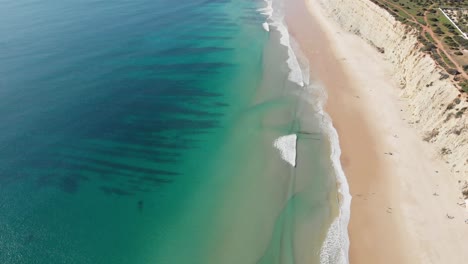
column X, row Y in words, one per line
column 310, row 155
column 402, row 192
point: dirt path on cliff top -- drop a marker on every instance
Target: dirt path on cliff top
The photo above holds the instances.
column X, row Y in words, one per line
column 441, row 47
column 428, row 29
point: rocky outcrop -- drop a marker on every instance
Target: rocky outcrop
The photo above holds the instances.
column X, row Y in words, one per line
column 464, row 190
column 436, row 107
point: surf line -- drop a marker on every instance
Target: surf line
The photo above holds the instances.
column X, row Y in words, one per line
column 287, row 148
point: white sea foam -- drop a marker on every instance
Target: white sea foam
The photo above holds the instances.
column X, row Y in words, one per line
column 267, row 10
column 287, row 147
column 336, row 245
column 276, row 19
column 335, row 248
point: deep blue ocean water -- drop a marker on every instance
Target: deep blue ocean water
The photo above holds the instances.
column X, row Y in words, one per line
column 102, row 103
column 138, row 132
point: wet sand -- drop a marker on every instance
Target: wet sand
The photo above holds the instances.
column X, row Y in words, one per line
column 395, row 218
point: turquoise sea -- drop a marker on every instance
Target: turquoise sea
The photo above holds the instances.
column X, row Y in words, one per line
column 143, row 131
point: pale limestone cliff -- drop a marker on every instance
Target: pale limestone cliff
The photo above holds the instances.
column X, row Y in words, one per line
column 439, row 115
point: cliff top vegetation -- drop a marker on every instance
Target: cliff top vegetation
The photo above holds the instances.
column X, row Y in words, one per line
column 443, row 31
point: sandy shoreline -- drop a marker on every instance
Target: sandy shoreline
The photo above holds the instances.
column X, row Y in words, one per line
column 402, row 193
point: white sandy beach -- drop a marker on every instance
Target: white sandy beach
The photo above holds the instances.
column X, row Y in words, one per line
column 405, row 199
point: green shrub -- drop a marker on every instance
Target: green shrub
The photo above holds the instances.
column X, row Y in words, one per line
column 429, row 47
column 461, row 41
column 448, row 39
column 464, row 86
column 453, row 71
column 438, row 31
column 444, row 76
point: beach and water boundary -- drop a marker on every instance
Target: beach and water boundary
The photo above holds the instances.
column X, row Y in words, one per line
column 381, row 120
column 162, row 132
column 336, row 244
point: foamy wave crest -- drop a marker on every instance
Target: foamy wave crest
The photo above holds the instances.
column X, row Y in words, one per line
column 295, row 74
column 268, row 12
column 336, row 245
column 276, row 19
column 332, row 251
column 287, row 147
column 335, row 248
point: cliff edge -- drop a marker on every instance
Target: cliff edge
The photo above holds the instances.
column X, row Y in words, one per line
column 435, row 106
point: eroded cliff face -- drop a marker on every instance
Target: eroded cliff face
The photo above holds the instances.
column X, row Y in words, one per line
column 436, row 110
